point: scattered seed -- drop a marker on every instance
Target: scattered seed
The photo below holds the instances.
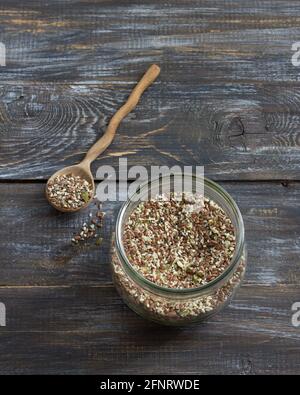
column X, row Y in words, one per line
column 89, row 229
column 98, row 241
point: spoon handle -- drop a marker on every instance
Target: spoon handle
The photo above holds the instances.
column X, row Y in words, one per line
column 101, row 145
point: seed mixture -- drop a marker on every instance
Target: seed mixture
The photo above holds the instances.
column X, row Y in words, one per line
column 69, row 191
column 174, row 311
column 174, row 243
column 90, row 229
column 177, row 243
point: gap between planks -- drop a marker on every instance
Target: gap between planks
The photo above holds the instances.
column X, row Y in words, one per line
column 111, row 285
column 218, row 180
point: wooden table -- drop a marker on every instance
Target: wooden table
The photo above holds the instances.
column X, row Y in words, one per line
column 228, row 98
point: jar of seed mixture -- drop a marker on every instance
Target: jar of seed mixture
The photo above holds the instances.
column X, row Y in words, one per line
column 178, row 258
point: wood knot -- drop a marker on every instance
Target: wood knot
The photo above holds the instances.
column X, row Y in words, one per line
column 230, row 132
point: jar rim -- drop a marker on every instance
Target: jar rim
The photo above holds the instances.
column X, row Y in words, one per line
column 238, row 252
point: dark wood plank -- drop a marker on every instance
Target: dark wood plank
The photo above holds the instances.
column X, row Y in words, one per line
column 228, row 95
column 90, row 330
column 35, row 246
column 236, row 131
column 108, row 40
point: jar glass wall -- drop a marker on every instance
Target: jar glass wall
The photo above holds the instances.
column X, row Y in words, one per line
column 172, row 306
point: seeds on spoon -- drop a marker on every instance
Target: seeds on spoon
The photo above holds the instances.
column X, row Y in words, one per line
column 69, row 191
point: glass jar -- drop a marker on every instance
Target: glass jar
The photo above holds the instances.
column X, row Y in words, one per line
column 172, row 306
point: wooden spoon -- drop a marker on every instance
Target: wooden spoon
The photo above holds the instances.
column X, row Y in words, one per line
column 83, row 169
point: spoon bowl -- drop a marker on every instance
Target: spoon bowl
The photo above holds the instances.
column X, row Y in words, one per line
column 83, row 171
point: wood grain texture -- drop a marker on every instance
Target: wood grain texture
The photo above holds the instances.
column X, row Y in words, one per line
column 100, row 41
column 89, row 330
column 236, row 132
column 227, row 98
column 35, row 247
column 69, row 312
